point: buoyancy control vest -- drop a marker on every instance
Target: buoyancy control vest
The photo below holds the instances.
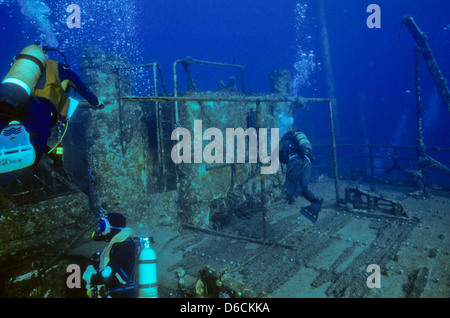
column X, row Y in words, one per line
column 50, row 87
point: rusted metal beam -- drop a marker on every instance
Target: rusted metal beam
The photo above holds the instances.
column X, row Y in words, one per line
column 273, row 98
column 423, row 48
column 262, row 180
column 217, row 233
column 156, row 67
column 334, row 153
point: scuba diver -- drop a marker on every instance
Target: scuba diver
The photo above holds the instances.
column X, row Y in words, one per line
column 33, row 99
column 296, row 153
column 112, row 274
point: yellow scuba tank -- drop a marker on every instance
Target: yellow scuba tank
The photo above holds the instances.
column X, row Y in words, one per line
column 19, row 82
column 303, row 142
column 147, row 279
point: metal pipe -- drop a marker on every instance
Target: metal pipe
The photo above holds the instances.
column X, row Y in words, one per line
column 120, row 107
column 154, row 65
column 420, row 144
column 175, row 91
column 333, row 143
column 273, row 98
column 191, row 61
column 212, row 232
column 161, row 77
column 435, row 148
column 262, row 176
column 424, row 49
column 176, row 124
column 158, row 126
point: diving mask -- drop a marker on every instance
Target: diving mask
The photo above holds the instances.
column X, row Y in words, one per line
column 105, row 227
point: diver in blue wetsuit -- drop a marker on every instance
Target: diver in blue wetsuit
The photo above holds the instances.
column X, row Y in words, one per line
column 33, row 98
column 115, row 266
column 296, row 153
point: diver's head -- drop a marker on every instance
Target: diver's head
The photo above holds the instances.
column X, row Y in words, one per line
column 109, row 226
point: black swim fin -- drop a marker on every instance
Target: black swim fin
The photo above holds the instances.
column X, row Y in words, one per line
column 310, row 215
column 312, row 212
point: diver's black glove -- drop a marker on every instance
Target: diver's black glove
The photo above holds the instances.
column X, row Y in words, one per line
column 100, row 105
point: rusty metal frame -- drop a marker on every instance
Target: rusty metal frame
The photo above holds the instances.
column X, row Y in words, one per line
column 187, row 62
column 362, row 200
column 440, row 82
column 298, row 101
column 156, row 68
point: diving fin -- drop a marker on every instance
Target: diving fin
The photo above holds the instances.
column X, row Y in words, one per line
column 16, row 151
column 312, row 212
column 310, row 215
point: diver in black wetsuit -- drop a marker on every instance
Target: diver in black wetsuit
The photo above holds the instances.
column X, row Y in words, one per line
column 115, row 266
column 296, row 153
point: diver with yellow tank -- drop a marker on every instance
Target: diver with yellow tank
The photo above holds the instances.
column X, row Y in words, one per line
column 33, row 99
column 296, row 153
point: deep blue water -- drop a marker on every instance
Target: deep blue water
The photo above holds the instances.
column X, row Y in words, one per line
column 369, row 65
